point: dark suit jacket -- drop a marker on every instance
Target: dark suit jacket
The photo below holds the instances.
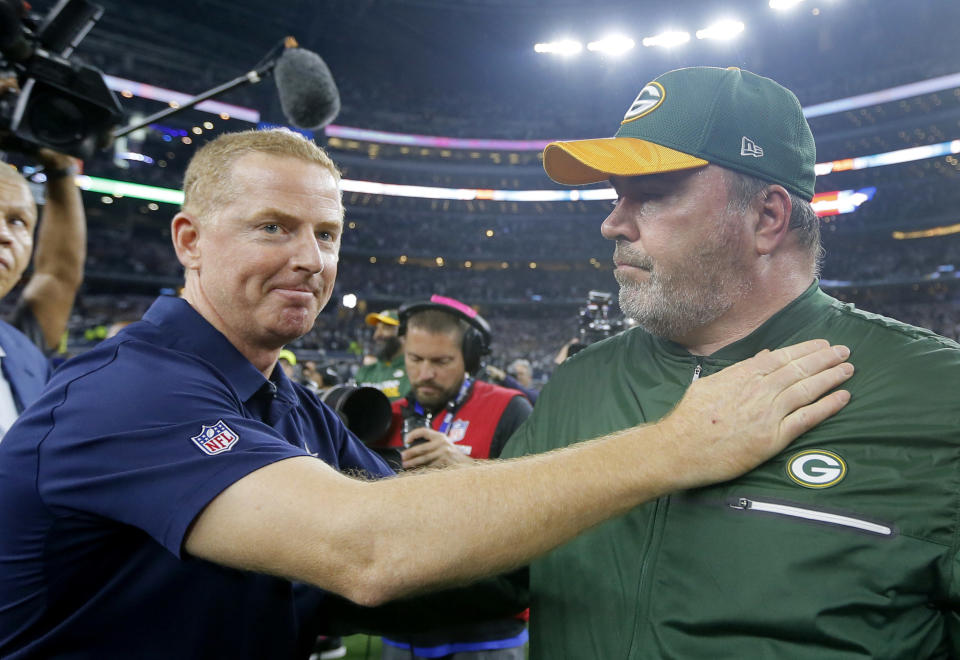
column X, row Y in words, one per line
column 24, row 366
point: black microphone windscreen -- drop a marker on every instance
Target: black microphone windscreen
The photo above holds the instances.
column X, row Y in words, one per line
column 308, row 95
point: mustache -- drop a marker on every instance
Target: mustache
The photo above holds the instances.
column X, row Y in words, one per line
column 626, row 254
column 427, row 383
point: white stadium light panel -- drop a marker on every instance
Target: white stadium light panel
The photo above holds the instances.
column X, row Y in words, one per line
column 667, row 39
column 562, row 47
column 616, row 44
column 721, row 30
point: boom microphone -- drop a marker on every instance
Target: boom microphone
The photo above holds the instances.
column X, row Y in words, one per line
column 308, row 95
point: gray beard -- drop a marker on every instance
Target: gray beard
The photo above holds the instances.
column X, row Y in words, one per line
column 673, row 305
column 667, row 311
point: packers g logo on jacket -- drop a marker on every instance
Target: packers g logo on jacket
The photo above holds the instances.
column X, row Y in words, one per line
column 816, row 468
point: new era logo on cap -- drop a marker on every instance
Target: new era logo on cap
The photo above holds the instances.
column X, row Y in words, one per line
column 750, row 148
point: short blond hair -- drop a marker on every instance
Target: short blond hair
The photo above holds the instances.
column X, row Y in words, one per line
column 208, row 184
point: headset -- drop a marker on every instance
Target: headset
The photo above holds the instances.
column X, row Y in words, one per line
column 476, row 339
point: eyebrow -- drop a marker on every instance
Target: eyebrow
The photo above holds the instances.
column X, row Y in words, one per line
column 279, row 214
column 24, row 211
column 432, row 359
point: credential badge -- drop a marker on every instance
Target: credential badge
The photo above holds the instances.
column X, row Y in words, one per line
column 216, row 438
column 458, row 431
column 649, row 98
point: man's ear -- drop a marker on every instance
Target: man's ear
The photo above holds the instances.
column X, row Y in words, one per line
column 773, row 208
column 185, row 232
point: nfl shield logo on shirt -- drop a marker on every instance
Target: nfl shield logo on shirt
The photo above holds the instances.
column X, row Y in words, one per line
column 459, row 430
column 216, row 438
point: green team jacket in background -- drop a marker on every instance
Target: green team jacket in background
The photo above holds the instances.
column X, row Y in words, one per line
column 757, row 567
column 388, row 377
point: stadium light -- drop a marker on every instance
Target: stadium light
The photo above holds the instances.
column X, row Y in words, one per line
column 349, row 300
column 614, row 45
column 562, row 47
column 667, row 39
column 721, row 30
column 784, row 4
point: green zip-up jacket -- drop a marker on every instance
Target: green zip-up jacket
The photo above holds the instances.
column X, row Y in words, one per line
column 843, row 546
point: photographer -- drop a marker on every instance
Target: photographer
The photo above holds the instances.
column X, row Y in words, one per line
column 449, row 418
column 44, row 307
column 518, row 376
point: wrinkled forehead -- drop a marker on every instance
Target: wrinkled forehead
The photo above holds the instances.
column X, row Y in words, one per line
column 279, row 183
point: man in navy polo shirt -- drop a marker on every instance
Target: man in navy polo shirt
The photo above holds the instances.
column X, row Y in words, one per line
column 161, row 482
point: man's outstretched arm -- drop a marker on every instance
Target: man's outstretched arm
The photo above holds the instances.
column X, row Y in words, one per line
column 61, row 249
column 375, row 541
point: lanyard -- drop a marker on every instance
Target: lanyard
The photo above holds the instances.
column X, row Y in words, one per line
column 451, row 407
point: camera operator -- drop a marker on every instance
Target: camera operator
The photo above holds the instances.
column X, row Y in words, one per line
column 448, row 418
column 42, row 312
column 518, row 376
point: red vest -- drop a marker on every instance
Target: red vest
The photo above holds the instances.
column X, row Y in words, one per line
column 473, row 423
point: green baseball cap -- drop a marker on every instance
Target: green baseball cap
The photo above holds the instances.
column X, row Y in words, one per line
column 387, row 316
column 688, row 118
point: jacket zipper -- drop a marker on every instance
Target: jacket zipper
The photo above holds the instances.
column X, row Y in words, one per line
column 696, row 372
column 744, row 504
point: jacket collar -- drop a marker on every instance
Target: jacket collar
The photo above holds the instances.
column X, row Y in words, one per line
column 775, row 331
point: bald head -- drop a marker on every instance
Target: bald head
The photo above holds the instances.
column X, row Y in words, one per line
column 18, row 213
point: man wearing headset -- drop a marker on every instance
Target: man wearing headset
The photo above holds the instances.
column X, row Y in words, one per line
column 448, row 418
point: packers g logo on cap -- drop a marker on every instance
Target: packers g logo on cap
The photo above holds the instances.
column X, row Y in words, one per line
column 646, row 102
column 816, row 468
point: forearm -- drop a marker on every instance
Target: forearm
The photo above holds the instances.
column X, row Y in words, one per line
column 450, row 526
column 59, row 258
column 62, row 235
column 375, row 541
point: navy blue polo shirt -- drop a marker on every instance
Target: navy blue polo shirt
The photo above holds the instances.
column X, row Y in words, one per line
column 101, row 478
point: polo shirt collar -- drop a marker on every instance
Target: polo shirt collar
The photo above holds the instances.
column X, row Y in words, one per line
column 188, row 331
column 774, row 332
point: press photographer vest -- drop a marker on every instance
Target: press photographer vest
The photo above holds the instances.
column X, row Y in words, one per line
column 473, row 423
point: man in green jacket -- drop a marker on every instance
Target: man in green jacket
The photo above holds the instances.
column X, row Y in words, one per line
column 843, row 545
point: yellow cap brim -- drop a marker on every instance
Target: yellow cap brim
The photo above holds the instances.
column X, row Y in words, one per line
column 373, row 319
column 590, row 161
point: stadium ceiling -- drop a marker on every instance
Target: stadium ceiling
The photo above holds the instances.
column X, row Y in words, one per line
column 486, row 46
column 408, row 61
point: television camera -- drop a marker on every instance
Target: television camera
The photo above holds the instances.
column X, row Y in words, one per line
column 48, row 99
